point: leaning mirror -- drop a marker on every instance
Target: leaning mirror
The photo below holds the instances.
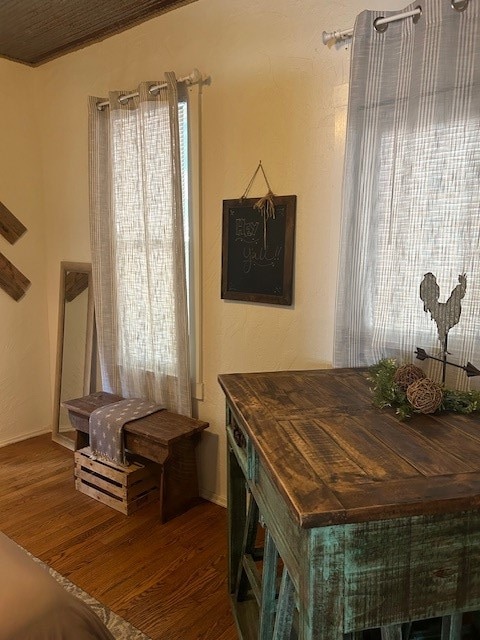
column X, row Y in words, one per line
column 74, row 371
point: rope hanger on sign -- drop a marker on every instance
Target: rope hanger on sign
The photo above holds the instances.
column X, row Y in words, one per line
column 266, row 205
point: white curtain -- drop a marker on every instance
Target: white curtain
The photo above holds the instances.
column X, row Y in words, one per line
column 138, row 245
column 411, row 199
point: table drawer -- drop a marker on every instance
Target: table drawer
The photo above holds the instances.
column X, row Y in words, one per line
column 274, row 514
column 242, row 447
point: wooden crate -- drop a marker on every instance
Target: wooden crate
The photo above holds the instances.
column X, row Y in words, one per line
column 125, row 489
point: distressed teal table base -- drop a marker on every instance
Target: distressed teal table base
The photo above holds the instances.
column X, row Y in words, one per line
column 366, row 525
column 347, row 578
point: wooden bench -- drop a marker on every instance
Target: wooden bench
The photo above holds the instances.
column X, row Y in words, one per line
column 166, row 438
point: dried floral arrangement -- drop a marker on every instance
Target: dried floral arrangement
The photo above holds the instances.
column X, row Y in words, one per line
column 407, row 389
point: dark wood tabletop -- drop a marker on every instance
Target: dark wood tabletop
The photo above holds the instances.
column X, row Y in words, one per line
column 338, row 459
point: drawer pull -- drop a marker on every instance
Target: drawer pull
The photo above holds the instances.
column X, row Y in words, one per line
column 239, row 437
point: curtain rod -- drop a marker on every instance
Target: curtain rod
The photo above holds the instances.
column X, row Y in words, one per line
column 337, row 36
column 193, row 78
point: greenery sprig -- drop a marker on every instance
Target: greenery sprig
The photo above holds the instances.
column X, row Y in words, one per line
column 386, row 393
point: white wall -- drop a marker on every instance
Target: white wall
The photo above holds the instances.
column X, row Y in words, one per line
column 274, row 87
column 25, row 401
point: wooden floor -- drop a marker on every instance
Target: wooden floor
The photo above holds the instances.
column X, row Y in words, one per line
column 168, row 580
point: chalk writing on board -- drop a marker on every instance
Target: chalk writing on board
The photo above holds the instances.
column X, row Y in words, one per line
column 260, row 257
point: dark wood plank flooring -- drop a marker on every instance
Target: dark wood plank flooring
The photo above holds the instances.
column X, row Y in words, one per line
column 168, row 580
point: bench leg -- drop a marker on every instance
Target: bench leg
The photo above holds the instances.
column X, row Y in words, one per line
column 81, row 440
column 179, row 482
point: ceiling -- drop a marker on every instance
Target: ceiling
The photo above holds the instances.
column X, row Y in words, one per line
column 35, row 31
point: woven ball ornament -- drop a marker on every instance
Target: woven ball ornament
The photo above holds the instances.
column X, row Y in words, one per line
column 425, row 395
column 406, row 374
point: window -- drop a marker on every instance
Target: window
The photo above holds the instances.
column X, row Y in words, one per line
column 140, row 166
column 411, row 191
column 433, row 223
column 141, row 304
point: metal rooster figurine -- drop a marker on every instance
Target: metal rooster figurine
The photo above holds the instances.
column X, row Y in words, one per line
column 446, row 315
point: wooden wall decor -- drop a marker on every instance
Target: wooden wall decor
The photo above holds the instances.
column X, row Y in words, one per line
column 10, row 227
column 12, row 281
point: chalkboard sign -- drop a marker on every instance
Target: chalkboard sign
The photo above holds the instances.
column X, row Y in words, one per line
column 257, row 253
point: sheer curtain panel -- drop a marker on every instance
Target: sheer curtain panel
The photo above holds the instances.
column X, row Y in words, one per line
column 138, row 245
column 411, row 191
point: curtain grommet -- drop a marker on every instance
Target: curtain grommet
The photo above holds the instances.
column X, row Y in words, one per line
column 459, row 6
column 417, row 17
column 153, row 90
column 123, row 100
column 380, row 27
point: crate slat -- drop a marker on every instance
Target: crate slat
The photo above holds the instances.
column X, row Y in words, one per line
column 125, row 489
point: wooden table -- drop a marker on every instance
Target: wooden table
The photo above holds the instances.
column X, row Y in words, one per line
column 375, row 520
column 169, row 439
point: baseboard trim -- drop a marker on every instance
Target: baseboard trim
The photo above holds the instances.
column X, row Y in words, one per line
column 211, row 496
column 24, row 436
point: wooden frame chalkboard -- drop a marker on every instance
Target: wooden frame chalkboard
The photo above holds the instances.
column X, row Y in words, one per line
column 257, row 255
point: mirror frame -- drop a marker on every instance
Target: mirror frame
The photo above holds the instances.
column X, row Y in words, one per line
column 80, row 267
